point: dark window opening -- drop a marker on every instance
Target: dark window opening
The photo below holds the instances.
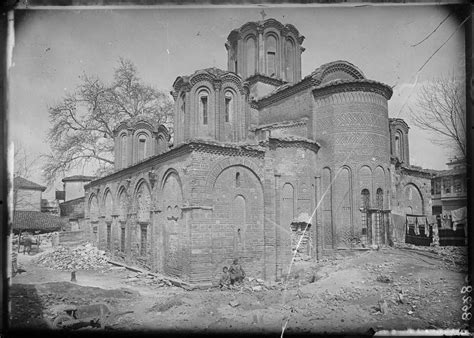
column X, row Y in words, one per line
column 235, row 66
column 141, row 148
column 204, row 109
column 227, row 108
column 237, row 180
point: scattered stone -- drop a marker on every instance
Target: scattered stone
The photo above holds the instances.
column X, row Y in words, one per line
column 82, row 257
column 400, row 298
column 384, row 279
column 234, row 303
column 383, row 307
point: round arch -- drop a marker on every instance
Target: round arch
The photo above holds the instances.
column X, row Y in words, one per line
column 229, row 162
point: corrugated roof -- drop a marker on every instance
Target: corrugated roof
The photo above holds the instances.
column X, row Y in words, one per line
column 20, row 182
column 35, row 220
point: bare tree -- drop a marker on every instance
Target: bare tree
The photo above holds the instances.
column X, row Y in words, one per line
column 23, row 167
column 441, row 111
column 81, row 132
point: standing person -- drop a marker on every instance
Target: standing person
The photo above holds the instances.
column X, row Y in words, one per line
column 237, row 274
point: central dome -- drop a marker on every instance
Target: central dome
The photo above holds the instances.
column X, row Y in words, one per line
column 266, row 48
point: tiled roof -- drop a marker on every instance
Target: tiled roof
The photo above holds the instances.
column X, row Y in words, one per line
column 23, row 183
column 35, row 220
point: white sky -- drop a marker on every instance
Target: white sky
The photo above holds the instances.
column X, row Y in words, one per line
column 53, row 47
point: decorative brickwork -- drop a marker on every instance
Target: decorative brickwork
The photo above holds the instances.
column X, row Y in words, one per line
column 250, row 159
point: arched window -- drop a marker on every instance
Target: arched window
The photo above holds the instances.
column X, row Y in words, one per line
column 204, row 106
column 251, row 55
column 290, row 60
column 364, row 205
column 270, row 55
column 123, row 150
column 365, row 199
column 183, row 103
column 142, row 146
column 237, row 180
column 379, row 199
column 398, row 145
column 229, row 106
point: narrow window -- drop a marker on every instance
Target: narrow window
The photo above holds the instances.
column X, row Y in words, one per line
column 379, row 198
column 397, row 146
column 143, row 240
column 123, row 150
column 270, row 52
column 235, row 66
column 141, row 148
column 237, row 179
column 271, row 63
column 228, row 106
column 204, row 109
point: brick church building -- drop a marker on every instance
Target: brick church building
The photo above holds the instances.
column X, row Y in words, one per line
column 258, row 152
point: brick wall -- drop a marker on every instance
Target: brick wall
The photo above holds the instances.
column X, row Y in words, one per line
column 410, row 191
column 294, row 107
column 352, row 128
column 73, row 208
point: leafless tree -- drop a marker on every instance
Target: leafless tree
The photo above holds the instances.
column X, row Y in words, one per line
column 441, row 111
column 24, row 164
column 82, row 124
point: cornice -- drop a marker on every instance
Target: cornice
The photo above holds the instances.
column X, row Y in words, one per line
column 291, row 142
column 260, row 26
column 179, row 151
column 207, row 146
column 227, row 149
column 283, row 124
column 264, row 79
column 215, row 76
column 352, row 86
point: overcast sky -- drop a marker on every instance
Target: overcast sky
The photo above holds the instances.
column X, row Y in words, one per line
column 53, row 47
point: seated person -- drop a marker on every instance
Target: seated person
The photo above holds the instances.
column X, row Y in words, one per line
column 237, row 274
column 225, row 278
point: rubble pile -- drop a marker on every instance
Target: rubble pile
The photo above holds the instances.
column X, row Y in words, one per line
column 83, row 257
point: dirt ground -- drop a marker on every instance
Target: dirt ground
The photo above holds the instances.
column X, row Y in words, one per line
column 353, row 292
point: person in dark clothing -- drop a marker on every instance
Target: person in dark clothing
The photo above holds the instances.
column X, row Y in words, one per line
column 224, row 282
column 237, row 273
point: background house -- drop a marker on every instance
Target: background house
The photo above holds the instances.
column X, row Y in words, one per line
column 28, row 206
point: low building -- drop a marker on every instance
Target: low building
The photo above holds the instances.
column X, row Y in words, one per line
column 27, row 195
column 28, row 209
